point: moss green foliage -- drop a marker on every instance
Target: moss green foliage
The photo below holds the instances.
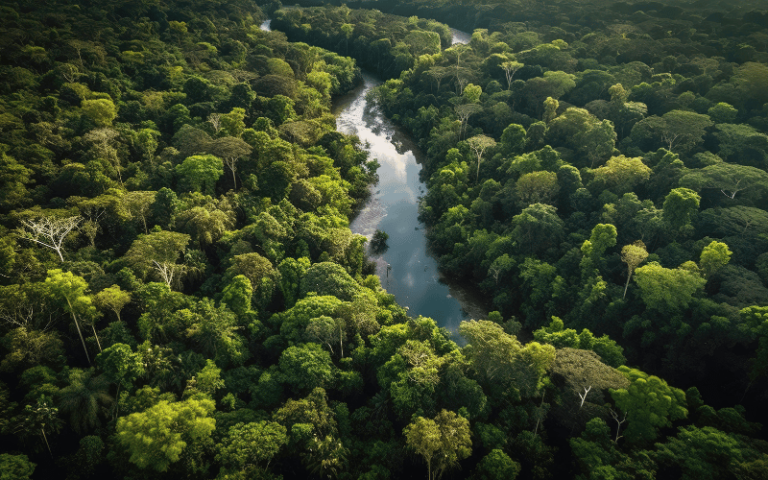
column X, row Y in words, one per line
column 181, row 295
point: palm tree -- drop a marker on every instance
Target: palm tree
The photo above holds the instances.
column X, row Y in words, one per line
column 325, row 458
column 83, row 399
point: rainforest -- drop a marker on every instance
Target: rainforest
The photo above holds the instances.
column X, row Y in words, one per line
column 377, row 240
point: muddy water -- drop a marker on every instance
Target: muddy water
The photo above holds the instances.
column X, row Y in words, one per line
column 406, row 268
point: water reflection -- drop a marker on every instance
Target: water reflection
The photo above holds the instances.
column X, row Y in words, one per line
column 406, row 268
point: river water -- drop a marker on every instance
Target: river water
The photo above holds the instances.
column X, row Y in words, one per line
column 406, row 268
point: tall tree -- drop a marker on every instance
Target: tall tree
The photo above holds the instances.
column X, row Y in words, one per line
column 71, row 288
column 441, row 442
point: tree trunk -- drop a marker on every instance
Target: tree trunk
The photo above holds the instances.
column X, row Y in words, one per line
column 627, row 285
column 42, row 430
column 79, row 332
column 97, row 338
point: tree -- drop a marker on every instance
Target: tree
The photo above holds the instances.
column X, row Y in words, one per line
column 112, row 298
column 237, row 295
column 15, row 467
column 39, row 419
column 537, row 227
column 502, row 362
column 230, row 149
column 253, row 444
column 497, row 465
column 730, row 179
column 102, row 111
column 442, row 442
column 649, row 404
column 325, row 457
column 510, row 68
column 159, row 251
column 307, row 367
column 701, row 453
column 139, row 204
column 200, row 172
column 715, row 256
column 156, row 437
column 633, row 255
column 84, row 398
column 679, row 206
column 327, row 331
column 663, row 289
column 49, row 231
column 621, row 174
column 121, row 366
column 684, row 129
column 537, row 187
column 71, row 288
column 479, row 144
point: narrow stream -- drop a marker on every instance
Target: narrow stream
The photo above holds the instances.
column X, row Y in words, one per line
column 407, row 269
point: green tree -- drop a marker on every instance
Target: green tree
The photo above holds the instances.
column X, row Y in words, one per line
column 15, row 467
column 253, row 444
column 102, row 111
column 237, row 295
column 156, row 437
column 71, row 288
column 307, row 367
column 649, row 404
column 701, row 453
column 325, row 457
column 442, row 442
column 39, row 419
column 680, row 206
column 633, row 255
column 200, row 173
column 664, row 289
column 112, row 298
column 621, row 174
column 537, row 187
column 158, row 251
column 479, row 144
column 497, row 465
column 715, row 256
column 84, row 399
column 121, row 366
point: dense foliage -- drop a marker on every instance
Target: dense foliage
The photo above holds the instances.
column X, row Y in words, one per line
column 181, row 296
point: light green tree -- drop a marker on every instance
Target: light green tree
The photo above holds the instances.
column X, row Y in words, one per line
column 102, row 111
column 156, row 437
column 715, row 256
column 441, row 442
column 667, row 290
column 633, row 255
column 71, row 289
column 112, row 298
column 200, row 173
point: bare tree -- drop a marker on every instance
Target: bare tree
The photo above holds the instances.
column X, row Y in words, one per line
column 618, row 423
column 583, row 396
column 215, row 120
column 49, row 231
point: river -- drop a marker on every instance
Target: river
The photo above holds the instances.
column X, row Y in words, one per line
column 406, row 268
